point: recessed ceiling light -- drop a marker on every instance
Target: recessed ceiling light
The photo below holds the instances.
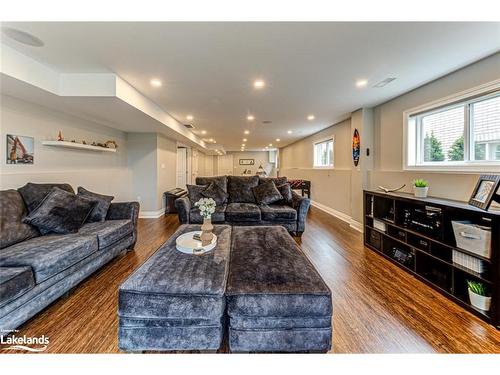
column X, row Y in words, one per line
column 155, row 82
column 361, row 83
column 270, row 145
column 259, row 84
column 277, row 139
column 211, row 140
column 247, row 132
column 289, row 132
column 311, row 117
column 203, row 132
column 243, row 145
column 250, row 118
column 188, row 117
column 22, row 37
column 244, row 139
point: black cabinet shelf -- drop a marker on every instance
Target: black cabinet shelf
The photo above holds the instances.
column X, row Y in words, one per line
column 429, row 254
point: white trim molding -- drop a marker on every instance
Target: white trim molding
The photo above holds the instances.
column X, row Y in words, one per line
column 339, row 215
column 151, row 214
column 410, row 133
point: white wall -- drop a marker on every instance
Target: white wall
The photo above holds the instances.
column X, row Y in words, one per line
column 102, row 172
column 329, row 187
column 166, row 167
column 260, row 157
column 388, row 128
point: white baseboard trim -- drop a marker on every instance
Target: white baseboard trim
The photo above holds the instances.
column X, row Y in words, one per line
column 151, row 214
column 356, row 225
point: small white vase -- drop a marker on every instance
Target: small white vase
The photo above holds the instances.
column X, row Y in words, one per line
column 421, row 192
column 481, row 302
column 206, row 232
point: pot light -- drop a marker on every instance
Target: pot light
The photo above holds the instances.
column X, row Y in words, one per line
column 243, row 145
column 189, row 117
column 155, row 82
column 311, row 117
column 259, row 84
column 277, row 139
column 211, row 140
column 244, row 139
column 247, row 132
column 203, row 132
column 289, row 132
column 270, row 145
column 250, row 118
column 361, row 83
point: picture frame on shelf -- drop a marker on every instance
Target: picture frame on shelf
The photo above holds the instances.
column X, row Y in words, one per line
column 485, row 191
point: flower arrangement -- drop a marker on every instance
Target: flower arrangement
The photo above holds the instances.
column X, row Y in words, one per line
column 206, row 206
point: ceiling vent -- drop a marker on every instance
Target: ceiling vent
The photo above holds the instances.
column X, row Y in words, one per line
column 385, row 82
column 189, row 126
column 267, row 122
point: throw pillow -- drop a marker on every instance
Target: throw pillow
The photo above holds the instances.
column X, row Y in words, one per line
column 60, row 212
column 12, row 212
column 216, row 193
column 194, row 193
column 239, row 188
column 33, row 194
column 266, row 193
column 278, row 181
column 286, row 192
column 101, row 209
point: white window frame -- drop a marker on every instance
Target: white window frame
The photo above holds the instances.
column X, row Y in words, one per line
column 410, row 136
column 314, row 143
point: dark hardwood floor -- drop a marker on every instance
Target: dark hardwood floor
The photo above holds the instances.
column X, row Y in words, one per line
column 378, row 308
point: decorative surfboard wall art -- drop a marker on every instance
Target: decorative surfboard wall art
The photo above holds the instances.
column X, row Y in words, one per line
column 356, row 147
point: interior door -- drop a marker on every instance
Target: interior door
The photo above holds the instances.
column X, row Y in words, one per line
column 209, row 166
column 181, row 178
column 225, row 165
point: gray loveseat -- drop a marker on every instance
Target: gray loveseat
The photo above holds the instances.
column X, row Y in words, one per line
column 241, row 208
column 36, row 269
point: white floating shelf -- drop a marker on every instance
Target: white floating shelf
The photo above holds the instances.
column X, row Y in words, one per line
column 79, row 146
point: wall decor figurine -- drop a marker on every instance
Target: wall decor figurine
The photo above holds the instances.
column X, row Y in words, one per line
column 20, row 149
column 356, row 147
column 111, row 144
column 485, row 192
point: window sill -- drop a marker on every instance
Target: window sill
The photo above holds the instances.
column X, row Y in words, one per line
column 472, row 169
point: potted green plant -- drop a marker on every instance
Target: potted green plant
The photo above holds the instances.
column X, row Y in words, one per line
column 478, row 295
column 421, row 188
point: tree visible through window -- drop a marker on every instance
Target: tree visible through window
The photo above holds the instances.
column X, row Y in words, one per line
column 460, row 133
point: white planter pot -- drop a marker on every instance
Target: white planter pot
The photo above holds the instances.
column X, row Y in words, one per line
column 421, row 192
column 481, row 302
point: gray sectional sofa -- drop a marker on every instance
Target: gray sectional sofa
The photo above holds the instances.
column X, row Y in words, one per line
column 36, row 269
column 241, row 208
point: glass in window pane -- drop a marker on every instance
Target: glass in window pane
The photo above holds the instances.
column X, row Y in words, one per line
column 323, row 154
column 443, row 135
column 497, row 153
column 485, row 121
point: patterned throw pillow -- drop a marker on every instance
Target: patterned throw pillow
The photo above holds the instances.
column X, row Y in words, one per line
column 194, row 193
column 101, row 209
column 60, row 212
column 286, row 192
column 216, row 193
column 266, row 193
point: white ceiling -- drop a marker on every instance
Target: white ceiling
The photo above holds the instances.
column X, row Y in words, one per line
column 207, row 69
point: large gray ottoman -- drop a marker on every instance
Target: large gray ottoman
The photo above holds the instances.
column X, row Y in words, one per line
column 276, row 300
column 175, row 301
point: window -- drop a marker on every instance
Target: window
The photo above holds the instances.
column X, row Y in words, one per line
column 323, row 154
column 462, row 134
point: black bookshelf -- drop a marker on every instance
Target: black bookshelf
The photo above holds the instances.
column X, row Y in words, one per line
column 426, row 249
